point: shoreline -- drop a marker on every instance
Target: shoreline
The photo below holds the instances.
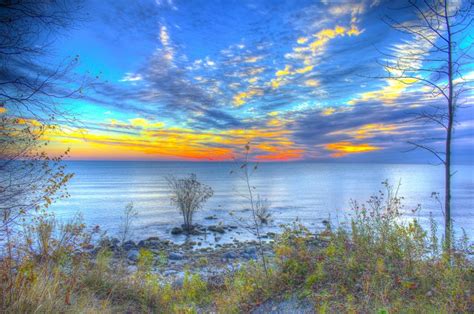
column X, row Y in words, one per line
column 171, row 260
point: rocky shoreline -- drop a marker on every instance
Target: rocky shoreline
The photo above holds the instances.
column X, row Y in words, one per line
column 172, row 260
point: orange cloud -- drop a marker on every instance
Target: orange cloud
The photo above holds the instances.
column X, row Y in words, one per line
column 150, row 140
column 369, row 130
column 292, row 154
column 345, row 148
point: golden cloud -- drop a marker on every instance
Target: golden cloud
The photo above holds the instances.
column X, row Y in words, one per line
column 345, row 148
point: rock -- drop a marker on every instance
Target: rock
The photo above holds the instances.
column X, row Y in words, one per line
column 175, row 256
column 213, row 217
column 230, row 255
column 195, row 232
column 178, row 280
column 218, row 229
column 133, row 255
column 249, row 253
column 176, row 230
column 170, row 272
column 151, row 242
column 193, row 226
column 132, row 269
column 251, row 250
column 110, row 243
column 128, row 245
column 248, row 256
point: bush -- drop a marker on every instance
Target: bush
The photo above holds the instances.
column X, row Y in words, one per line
column 189, row 195
column 382, row 262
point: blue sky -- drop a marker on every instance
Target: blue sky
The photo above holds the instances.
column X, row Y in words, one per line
column 196, row 80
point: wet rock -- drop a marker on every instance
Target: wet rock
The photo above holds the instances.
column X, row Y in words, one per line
column 151, row 242
column 175, row 256
column 176, row 230
column 195, row 232
column 128, row 245
column 213, row 217
column 218, row 229
column 192, row 227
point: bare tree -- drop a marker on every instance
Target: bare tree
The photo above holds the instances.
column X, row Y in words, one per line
column 259, row 208
column 126, row 223
column 189, row 195
column 31, row 91
column 441, row 30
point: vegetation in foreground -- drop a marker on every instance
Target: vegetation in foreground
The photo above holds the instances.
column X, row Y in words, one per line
column 381, row 263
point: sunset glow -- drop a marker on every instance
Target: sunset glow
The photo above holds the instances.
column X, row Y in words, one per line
column 298, row 80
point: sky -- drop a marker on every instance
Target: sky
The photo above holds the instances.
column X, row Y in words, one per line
column 298, row 80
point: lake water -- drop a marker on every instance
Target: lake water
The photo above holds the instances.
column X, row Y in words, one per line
column 310, row 192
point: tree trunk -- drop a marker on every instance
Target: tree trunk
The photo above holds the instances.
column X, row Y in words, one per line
column 449, row 131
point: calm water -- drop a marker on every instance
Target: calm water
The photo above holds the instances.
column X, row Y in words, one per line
column 308, row 191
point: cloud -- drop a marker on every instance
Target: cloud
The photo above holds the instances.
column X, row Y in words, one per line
column 144, row 123
column 345, row 148
column 292, row 83
column 131, row 77
column 240, row 98
column 370, row 130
